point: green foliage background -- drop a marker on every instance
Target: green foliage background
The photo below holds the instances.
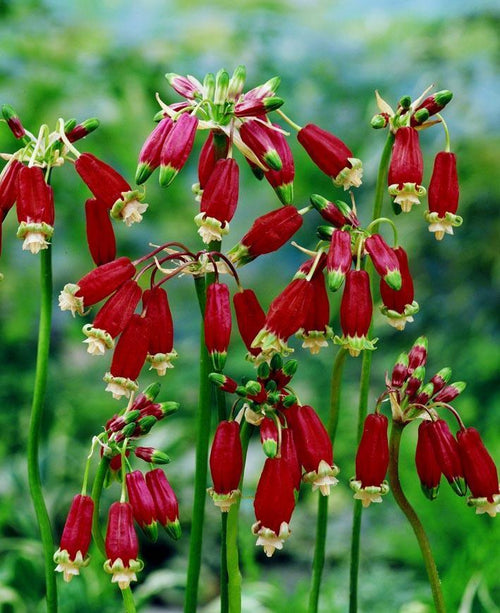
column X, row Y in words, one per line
column 107, row 59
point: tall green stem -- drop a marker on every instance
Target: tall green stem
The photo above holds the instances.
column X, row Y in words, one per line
column 220, row 397
column 365, row 383
column 96, row 497
column 322, row 517
column 40, row 386
column 416, row 524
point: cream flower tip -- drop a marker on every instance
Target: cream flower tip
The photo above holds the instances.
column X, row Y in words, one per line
column 491, row 509
column 132, row 212
column 367, row 497
column 68, row 570
column 117, row 390
column 68, row 301
column 35, row 242
column 96, row 346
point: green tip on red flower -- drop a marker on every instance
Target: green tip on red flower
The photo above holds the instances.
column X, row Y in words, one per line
column 167, row 175
column 143, row 172
column 272, row 159
column 285, row 193
column 393, row 279
column 174, row 530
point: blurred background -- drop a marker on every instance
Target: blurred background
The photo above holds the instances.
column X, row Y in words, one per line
column 107, row 58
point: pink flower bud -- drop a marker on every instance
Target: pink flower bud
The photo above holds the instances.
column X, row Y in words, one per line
column 447, row 454
column 400, row 371
column 331, row 156
column 257, row 137
column 356, row 313
column 149, row 157
column 112, row 318
column 35, row 209
column 8, row 187
column 95, row 285
column 384, row 260
column 122, row 547
column 161, row 350
column 450, row 392
column 188, row 87
column 372, row 461
column 443, row 196
column 217, row 322
column 406, row 169
column 282, row 180
column 151, row 455
column 100, row 233
column 214, row 149
column 339, row 259
column 142, row 503
column 274, row 503
column 267, row 234
column 250, row 317
column 167, row 507
column 76, row 536
column 399, row 305
column 440, row 379
column 13, row 121
column 82, row 130
column 418, row 354
column 177, row 147
column 428, row 468
column 337, row 213
column 252, row 107
column 226, row 465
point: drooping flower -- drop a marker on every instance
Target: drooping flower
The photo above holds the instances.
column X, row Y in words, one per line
column 447, row 454
column 226, row 465
column 406, row 169
column 150, row 155
column 269, row 436
column 282, row 180
column 35, row 209
column 217, row 323
column 161, row 350
column 256, row 136
column 250, row 318
column 142, row 503
column 167, row 506
column 288, row 452
column 337, row 213
column 399, row 306
column 338, row 259
column 384, row 260
column 443, row 196
column 100, row 234
column 432, row 104
column 428, row 468
column 215, row 148
column 176, row 147
column 8, row 186
column 315, row 330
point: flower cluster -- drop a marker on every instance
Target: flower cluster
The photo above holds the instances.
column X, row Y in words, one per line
column 146, row 498
column 295, row 442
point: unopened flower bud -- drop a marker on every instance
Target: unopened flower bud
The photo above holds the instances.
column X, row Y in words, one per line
column 166, row 504
column 447, row 453
column 226, row 465
column 428, row 468
column 217, row 323
column 399, row 306
column 257, row 137
column 269, row 437
column 151, row 455
column 82, row 129
column 418, row 354
column 339, row 259
column 440, row 379
column 400, row 371
column 177, row 147
column 450, row 392
column 142, row 503
column 406, row 169
column 150, row 155
column 13, row 121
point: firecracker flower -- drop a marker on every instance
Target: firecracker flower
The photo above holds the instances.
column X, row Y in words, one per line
column 428, row 468
column 176, row 147
column 250, row 317
column 406, row 169
column 217, row 323
column 447, row 454
column 384, row 260
column 399, row 306
column 443, row 196
column 142, row 503
column 76, row 537
column 167, row 506
column 122, row 547
column 337, row 213
column 282, row 180
column 226, row 465
column 161, row 350
column 150, row 154
column 100, row 234
column 315, row 330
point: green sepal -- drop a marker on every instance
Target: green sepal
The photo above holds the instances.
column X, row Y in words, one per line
column 143, row 172
column 167, row 175
column 174, row 530
column 270, row 447
column 272, row 159
column 393, row 279
column 152, row 391
column 151, row 531
column 459, row 486
column 285, row 193
column 430, row 492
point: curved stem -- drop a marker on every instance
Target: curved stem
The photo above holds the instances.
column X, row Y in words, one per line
column 322, row 517
column 39, row 389
column 416, row 524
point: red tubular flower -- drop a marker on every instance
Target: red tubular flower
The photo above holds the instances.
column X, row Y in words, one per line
column 76, row 536
column 282, row 180
column 372, row 461
column 35, row 209
column 111, row 188
column 450, row 392
column 339, row 259
column 8, row 187
column 149, row 157
column 314, row 448
column 217, row 322
column 443, row 196
column 384, row 260
column 226, row 465
column 447, row 454
column 480, row 472
column 95, row 285
column 250, row 318
column 331, row 155
column 269, row 437
column 122, row 547
column 432, row 104
column 356, row 313
column 161, row 350
column 267, row 234
column 399, row 305
column 151, row 455
column 428, row 468
column 289, row 455
column 418, row 354
column 219, row 200
column 177, row 147
column 112, row 318
column 128, row 358
column 406, row 169
column 337, row 213
column 286, row 315
column 142, row 503
column 256, row 136
column 214, row 149
column 315, row 330
column 81, row 130
column 254, row 106
column 274, row 503
column 100, row 234
column 167, row 507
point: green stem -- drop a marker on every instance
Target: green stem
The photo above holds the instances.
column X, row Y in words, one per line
column 39, row 389
column 322, row 517
column 416, row 524
column 96, row 497
column 128, row 600
column 224, row 580
column 380, row 190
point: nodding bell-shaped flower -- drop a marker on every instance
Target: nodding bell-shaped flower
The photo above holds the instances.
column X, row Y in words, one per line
column 269, row 437
column 289, row 455
column 384, row 260
column 337, row 213
column 226, row 465
column 282, row 180
column 112, row 318
column 447, row 454
column 161, row 350
column 143, row 506
column 35, row 209
column 218, row 201
column 356, row 313
column 372, row 461
column 215, row 148
column 95, row 285
column 338, row 259
column 177, row 147
column 274, row 503
column 100, row 234
column 315, row 330
column 267, row 234
column 75, row 540
column 8, row 186
column 128, row 358
column 428, row 468
column 406, row 169
column 150, row 155
column 480, row 472
column 399, row 306
column 443, row 196
column 122, row 546
column 314, row 448
column 217, row 323
column 111, row 188
column 256, row 136
column 167, row 506
column 331, row 155
column 250, row 318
